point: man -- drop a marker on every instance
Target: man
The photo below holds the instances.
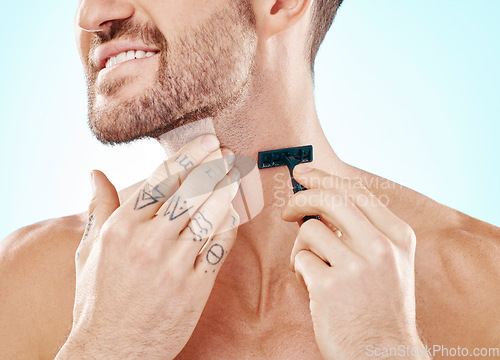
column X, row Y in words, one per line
column 142, row 272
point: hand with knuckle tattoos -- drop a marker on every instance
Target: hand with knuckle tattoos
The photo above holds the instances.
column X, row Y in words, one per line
column 145, row 268
column 357, row 263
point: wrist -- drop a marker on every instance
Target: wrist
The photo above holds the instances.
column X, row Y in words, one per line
column 85, row 346
column 80, row 347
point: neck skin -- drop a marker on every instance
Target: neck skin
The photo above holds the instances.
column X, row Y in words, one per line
column 277, row 111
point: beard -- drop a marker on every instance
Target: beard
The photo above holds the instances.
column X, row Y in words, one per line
column 200, row 73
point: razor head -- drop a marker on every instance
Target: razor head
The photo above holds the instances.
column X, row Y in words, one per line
column 274, row 158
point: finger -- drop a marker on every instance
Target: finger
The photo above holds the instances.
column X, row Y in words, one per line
column 104, row 202
column 198, row 186
column 310, row 268
column 338, row 210
column 208, row 218
column 372, row 207
column 168, row 176
column 216, row 249
column 318, row 238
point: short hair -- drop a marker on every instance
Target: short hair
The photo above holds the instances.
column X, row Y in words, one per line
column 323, row 12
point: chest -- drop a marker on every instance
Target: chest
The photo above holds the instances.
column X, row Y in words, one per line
column 208, row 344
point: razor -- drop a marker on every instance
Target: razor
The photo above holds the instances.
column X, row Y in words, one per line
column 288, row 157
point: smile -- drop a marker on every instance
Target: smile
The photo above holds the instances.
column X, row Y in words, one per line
column 128, row 55
column 116, row 52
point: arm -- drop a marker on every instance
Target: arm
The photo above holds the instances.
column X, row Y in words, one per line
column 357, row 263
column 27, row 280
column 143, row 274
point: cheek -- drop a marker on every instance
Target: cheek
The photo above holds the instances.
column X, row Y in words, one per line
column 176, row 17
column 169, row 16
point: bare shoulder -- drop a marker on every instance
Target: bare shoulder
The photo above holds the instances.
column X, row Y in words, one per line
column 457, row 267
column 458, row 282
column 37, row 285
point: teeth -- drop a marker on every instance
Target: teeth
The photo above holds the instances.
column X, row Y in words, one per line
column 128, row 55
column 121, row 57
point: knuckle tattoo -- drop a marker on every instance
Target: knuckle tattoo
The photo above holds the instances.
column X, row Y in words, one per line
column 200, row 227
column 184, row 161
column 176, row 207
column 148, row 196
column 215, row 254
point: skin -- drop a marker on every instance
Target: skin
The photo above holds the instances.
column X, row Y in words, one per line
column 117, row 257
column 257, row 308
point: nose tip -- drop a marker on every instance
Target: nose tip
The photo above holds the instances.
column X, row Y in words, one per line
column 97, row 15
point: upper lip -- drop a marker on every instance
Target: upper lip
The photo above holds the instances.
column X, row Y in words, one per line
column 103, row 52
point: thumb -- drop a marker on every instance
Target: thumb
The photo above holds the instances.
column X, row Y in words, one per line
column 104, row 201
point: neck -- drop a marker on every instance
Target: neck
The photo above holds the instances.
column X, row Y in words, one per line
column 269, row 117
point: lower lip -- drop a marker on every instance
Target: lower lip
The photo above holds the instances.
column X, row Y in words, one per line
column 105, row 72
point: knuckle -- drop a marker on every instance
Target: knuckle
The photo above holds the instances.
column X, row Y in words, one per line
column 108, row 231
column 114, row 232
column 357, row 267
column 405, row 235
column 409, row 235
column 300, row 258
column 382, row 250
column 328, row 285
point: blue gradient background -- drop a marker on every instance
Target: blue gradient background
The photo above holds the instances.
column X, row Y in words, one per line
column 408, row 90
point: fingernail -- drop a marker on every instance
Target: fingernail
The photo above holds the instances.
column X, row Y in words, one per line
column 210, row 142
column 92, row 183
column 302, row 168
